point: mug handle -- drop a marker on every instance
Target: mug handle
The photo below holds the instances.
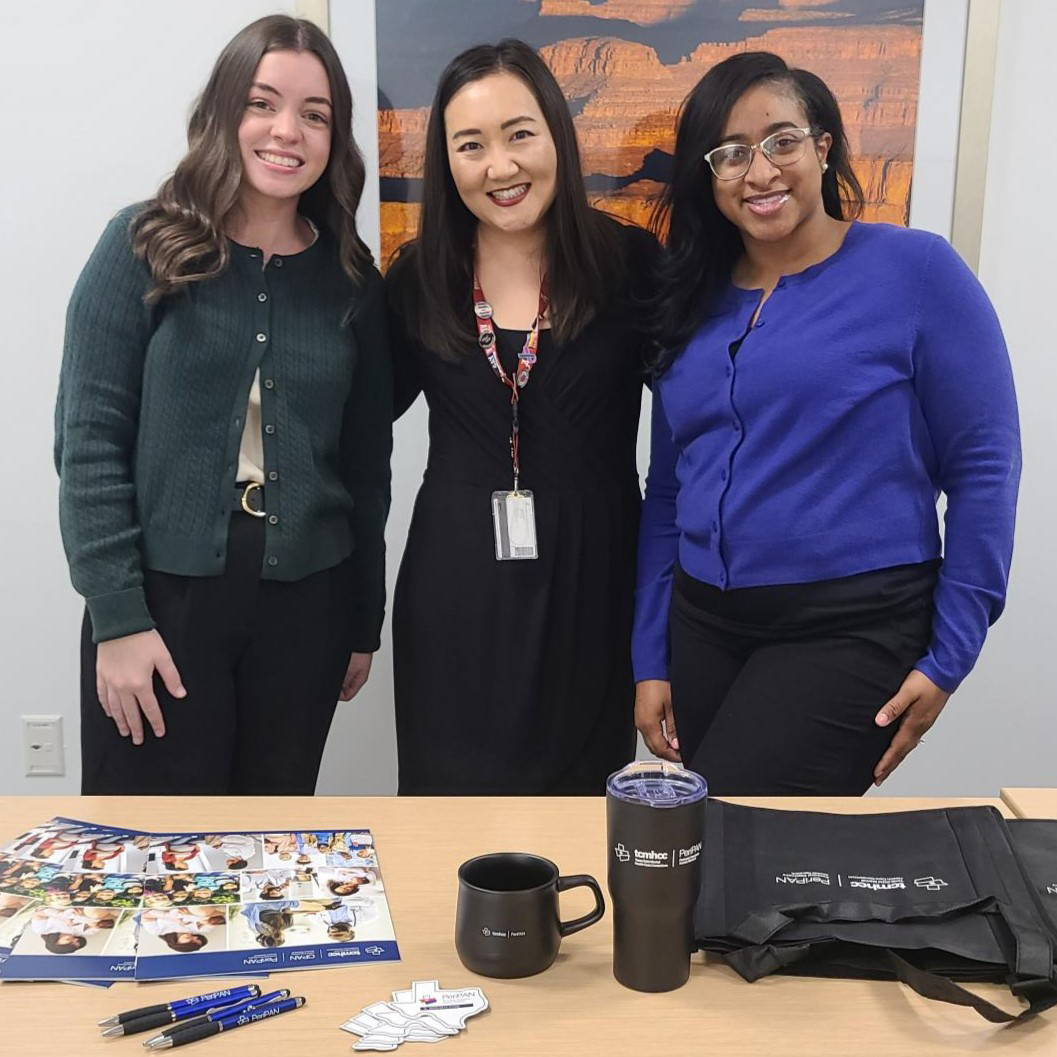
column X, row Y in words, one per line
column 567, row 928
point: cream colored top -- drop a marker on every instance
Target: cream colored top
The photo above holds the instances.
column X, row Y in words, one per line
column 251, row 450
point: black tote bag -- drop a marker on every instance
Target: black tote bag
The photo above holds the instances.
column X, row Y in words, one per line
column 927, row 897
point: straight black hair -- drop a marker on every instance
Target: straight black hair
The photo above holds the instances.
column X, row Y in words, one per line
column 582, row 257
column 703, row 245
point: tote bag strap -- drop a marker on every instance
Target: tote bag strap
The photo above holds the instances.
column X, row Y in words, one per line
column 754, row 962
column 1031, row 977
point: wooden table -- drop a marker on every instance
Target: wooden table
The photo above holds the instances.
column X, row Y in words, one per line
column 575, row 1007
column 1031, row 803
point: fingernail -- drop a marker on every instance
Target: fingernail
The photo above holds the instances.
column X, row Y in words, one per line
column 882, row 719
column 180, row 692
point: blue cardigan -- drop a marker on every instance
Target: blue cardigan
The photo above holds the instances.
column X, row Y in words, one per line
column 870, row 383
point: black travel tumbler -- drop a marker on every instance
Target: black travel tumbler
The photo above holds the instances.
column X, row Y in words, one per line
column 655, row 814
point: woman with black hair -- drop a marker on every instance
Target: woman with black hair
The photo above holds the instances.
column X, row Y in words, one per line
column 513, row 313
column 820, row 381
column 223, row 433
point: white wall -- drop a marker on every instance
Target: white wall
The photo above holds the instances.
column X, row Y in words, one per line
column 1001, row 727
column 101, row 112
column 102, row 92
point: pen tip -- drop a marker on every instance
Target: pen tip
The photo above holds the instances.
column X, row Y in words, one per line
column 107, row 1022
column 116, row 1030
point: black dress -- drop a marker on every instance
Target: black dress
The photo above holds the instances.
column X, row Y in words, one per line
column 514, row 677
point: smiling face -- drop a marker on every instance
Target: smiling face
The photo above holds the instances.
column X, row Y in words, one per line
column 501, row 153
column 769, row 203
column 284, row 136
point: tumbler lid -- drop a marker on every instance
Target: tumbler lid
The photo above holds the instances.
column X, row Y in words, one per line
column 656, row 783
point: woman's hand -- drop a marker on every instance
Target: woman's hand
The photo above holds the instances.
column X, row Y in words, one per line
column 124, row 681
column 355, row 675
column 654, row 719
column 919, row 701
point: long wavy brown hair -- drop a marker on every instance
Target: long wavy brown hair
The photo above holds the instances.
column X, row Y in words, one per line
column 180, row 232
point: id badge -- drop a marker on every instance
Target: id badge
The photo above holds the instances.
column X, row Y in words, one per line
column 514, row 518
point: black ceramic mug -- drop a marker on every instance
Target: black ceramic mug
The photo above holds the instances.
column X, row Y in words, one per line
column 508, row 923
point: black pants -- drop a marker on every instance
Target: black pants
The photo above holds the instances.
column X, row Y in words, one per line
column 775, row 689
column 262, row 663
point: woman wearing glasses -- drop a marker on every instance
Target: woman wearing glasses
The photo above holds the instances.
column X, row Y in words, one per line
column 820, row 381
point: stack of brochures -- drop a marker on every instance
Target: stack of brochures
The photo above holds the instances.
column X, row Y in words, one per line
column 82, row 901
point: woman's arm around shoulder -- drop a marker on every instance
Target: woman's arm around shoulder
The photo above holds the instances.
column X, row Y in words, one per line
column 366, row 449
column 400, row 285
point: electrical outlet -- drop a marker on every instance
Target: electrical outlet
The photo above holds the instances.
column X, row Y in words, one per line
column 42, row 747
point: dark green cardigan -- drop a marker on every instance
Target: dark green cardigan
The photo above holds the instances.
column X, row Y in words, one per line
column 150, row 415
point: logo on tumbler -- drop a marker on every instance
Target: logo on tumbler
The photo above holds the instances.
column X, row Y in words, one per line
column 689, row 855
column 933, row 884
column 661, row 859
column 1052, row 889
column 486, row 931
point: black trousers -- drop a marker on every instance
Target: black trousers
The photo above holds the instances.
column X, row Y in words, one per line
column 775, row 689
column 262, row 663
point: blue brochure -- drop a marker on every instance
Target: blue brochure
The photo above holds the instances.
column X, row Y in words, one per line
column 87, row 902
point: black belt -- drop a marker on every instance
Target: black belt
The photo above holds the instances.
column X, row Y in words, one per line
column 249, row 498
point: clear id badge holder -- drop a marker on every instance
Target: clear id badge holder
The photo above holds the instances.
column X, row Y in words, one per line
column 514, row 519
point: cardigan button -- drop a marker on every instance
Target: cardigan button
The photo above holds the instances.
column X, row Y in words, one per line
column 262, row 297
column 273, row 475
column 269, row 429
column 262, row 337
column 273, row 519
column 273, row 561
column 269, row 383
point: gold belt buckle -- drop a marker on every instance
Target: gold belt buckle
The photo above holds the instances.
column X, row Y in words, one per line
column 245, row 497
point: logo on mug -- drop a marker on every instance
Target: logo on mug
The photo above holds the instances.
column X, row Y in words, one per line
column 622, row 853
column 503, row 934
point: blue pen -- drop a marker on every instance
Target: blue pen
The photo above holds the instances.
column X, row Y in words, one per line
column 227, row 1023
column 216, row 1014
column 148, row 1017
column 213, row 999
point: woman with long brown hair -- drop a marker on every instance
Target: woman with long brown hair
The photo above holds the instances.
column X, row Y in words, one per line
column 223, row 435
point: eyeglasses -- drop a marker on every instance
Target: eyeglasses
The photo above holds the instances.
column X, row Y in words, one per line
column 730, row 161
